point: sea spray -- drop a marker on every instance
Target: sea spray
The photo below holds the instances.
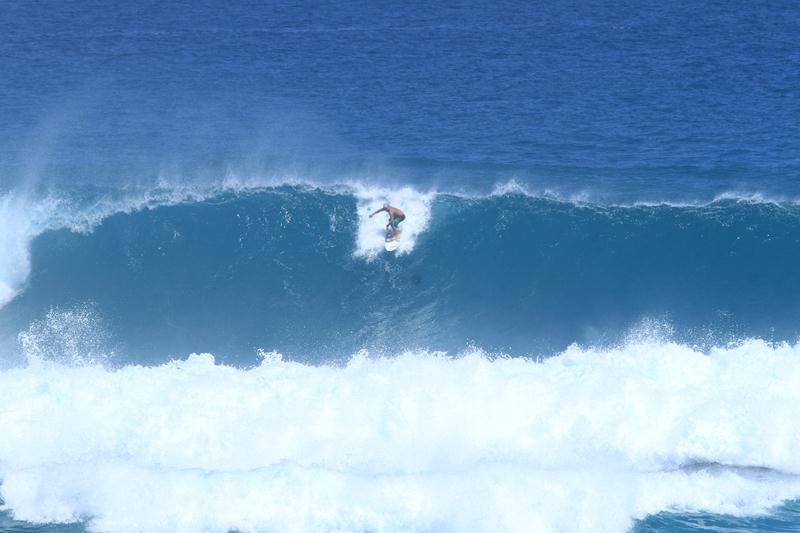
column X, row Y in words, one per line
column 588, row 440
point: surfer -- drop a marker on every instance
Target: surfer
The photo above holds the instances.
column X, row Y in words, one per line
column 396, row 216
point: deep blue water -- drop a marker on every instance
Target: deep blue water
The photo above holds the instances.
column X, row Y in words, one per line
column 649, row 100
column 618, row 180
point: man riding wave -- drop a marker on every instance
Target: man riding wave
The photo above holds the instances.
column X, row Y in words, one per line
column 396, row 216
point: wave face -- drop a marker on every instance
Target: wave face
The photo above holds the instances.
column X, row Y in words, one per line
column 302, row 270
column 588, row 440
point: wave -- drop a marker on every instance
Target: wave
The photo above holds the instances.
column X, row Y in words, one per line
column 297, row 267
column 586, row 440
column 26, row 214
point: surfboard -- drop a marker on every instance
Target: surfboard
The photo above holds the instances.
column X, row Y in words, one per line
column 392, row 241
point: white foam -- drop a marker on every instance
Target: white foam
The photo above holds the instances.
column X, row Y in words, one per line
column 585, row 441
column 20, row 221
column 372, row 231
column 73, row 336
column 585, row 197
column 754, row 198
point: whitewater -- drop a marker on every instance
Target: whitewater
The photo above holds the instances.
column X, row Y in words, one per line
column 587, row 440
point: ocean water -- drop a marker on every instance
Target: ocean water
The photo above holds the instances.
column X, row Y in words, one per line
column 592, row 323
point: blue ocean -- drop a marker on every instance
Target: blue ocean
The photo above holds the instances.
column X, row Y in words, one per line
column 591, row 324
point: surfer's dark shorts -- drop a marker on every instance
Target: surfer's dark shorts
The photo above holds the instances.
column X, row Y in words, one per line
column 398, row 220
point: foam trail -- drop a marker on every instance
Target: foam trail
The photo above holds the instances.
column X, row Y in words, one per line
column 585, row 441
column 371, row 231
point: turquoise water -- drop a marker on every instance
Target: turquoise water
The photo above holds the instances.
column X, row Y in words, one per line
column 281, row 268
column 781, row 519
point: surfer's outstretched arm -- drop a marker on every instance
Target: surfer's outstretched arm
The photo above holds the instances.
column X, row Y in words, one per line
column 378, row 211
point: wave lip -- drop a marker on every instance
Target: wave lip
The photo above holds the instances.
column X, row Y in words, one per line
column 21, row 220
column 588, row 440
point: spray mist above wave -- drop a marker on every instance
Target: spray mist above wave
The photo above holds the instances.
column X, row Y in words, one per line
column 420, row 440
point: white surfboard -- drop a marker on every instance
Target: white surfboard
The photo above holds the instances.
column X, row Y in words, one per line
column 392, row 241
